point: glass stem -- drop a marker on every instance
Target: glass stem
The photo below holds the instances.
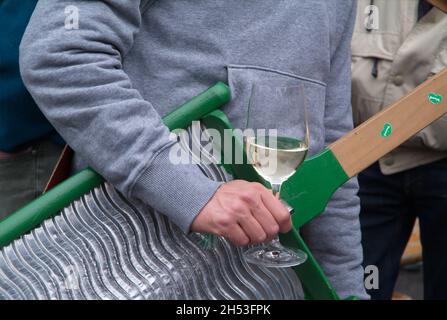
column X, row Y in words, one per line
column 276, row 188
column 275, row 245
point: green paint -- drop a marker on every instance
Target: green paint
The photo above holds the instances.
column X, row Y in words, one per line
column 387, row 130
column 309, row 190
column 219, row 121
column 315, row 284
column 206, row 102
column 434, row 98
column 47, row 205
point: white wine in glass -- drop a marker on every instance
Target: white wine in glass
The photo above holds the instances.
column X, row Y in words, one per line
column 275, row 158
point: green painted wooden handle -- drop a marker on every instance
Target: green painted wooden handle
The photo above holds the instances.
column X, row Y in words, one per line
column 199, row 106
column 50, row 203
column 311, row 187
column 47, row 205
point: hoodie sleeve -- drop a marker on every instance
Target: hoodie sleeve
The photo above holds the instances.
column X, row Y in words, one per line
column 334, row 237
column 76, row 76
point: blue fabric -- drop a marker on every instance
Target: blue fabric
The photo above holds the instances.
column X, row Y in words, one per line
column 389, row 207
column 21, row 121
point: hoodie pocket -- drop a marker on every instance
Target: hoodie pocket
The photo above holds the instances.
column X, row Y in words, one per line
column 285, row 120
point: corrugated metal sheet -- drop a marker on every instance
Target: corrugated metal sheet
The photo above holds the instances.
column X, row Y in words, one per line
column 104, row 246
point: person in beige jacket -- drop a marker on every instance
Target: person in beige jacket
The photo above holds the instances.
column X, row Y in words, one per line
column 396, row 46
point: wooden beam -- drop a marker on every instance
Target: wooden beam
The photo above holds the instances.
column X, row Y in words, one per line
column 392, row 126
column 440, row 4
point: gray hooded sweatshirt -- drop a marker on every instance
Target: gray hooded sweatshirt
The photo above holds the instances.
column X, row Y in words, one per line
column 105, row 84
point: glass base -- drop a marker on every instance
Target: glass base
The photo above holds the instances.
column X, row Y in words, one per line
column 274, row 256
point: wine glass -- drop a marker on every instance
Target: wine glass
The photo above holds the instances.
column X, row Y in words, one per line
column 276, row 157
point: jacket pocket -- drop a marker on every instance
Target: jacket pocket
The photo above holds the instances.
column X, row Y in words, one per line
column 284, row 119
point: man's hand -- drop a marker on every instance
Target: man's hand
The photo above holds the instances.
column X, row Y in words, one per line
column 244, row 213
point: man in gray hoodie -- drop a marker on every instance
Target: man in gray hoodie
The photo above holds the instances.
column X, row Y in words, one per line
column 106, row 80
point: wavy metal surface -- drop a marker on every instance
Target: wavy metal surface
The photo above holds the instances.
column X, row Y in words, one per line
column 104, row 246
